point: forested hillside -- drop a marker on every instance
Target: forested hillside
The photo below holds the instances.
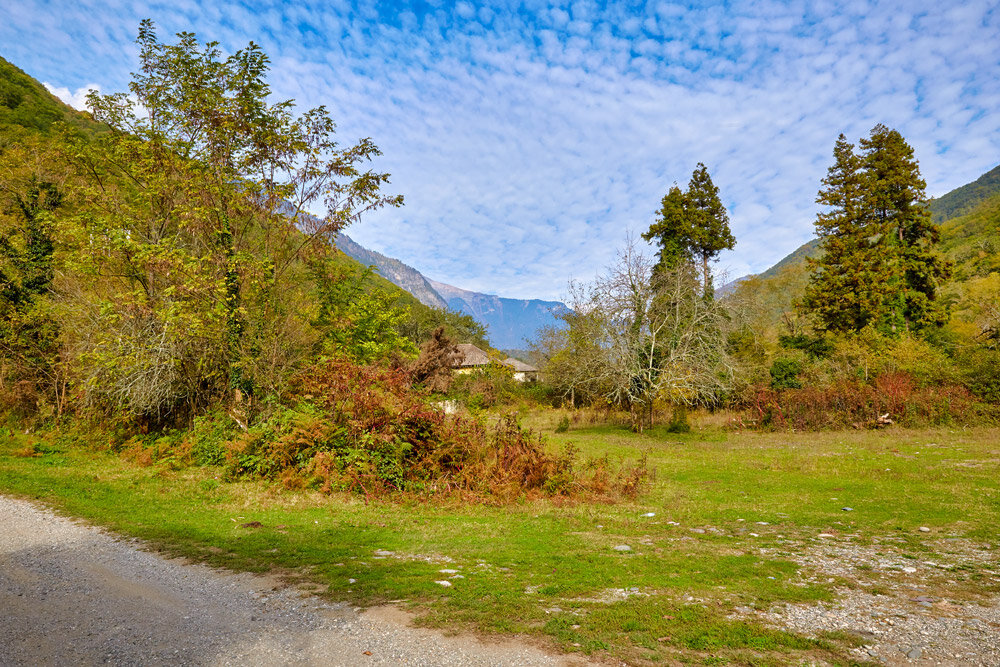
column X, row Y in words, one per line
column 25, row 104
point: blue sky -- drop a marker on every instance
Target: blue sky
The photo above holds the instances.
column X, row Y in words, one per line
column 530, row 138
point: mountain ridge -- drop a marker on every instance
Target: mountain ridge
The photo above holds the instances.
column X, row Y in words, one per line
column 509, row 322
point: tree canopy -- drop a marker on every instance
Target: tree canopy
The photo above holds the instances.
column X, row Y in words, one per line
column 692, row 225
column 878, row 266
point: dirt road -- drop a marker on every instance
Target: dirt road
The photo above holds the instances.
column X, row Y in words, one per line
column 73, row 595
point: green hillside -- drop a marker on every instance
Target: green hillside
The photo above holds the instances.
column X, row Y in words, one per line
column 966, row 198
column 26, row 106
column 969, row 217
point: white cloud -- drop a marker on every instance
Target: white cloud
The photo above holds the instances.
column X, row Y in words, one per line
column 527, row 149
column 76, row 99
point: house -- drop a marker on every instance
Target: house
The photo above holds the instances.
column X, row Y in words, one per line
column 470, row 358
column 522, row 372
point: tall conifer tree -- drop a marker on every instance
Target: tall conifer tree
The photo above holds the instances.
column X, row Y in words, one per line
column 692, row 226
column 878, row 265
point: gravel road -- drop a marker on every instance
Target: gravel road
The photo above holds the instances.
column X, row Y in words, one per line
column 71, row 594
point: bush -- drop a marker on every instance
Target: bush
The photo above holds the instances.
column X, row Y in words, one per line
column 364, row 429
column 858, row 404
column 785, row 373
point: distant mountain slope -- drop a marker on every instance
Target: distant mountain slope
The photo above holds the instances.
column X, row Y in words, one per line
column 393, row 270
column 964, row 199
column 509, row 321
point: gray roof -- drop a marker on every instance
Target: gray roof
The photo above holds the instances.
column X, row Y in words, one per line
column 519, row 366
column 471, row 356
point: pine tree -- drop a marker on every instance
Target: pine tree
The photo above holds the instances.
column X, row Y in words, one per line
column 878, row 267
column 693, row 226
column 847, row 289
column 895, row 197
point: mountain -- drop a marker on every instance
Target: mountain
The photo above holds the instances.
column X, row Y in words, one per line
column 509, row 321
column 964, row 199
column 393, row 270
column 25, row 105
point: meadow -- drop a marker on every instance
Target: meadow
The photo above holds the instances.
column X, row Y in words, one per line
column 725, row 529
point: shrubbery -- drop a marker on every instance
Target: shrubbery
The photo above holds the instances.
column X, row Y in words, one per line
column 348, row 427
column 852, row 403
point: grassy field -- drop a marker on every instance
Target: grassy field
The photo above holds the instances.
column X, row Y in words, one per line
column 719, row 531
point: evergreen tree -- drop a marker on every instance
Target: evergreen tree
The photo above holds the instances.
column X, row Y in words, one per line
column 709, row 222
column 896, row 200
column 672, row 230
column 878, row 266
column 847, row 290
column 692, row 226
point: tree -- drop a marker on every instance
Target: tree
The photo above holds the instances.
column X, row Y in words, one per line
column 195, row 235
column 433, row 367
column 878, row 266
column 895, row 197
column 32, row 198
column 692, row 225
column 653, row 336
column 847, row 289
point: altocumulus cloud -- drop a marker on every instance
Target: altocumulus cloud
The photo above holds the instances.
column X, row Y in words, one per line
column 530, row 138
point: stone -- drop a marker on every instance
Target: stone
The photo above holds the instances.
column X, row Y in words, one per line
column 623, row 548
column 448, row 571
column 924, row 529
column 446, row 584
column 909, row 570
column 847, row 509
column 914, row 653
column 650, row 514
column 700, row 531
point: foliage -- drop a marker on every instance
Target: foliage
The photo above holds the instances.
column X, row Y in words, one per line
column 878, row 266
column 785, row 373
column 357, row 317
column 858, row 404
column 363, row 429
column 433, row 367
column 643, row 335
column 693, row 226
column 423, row 320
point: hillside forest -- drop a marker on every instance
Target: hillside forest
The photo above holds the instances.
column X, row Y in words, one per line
column 166, row 293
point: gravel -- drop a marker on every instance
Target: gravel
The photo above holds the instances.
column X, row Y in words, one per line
column 75, row 595
column 904, row 625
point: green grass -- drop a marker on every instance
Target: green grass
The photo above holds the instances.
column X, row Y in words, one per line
column 548, row 568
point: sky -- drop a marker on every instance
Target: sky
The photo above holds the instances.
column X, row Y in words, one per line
column 531, row 139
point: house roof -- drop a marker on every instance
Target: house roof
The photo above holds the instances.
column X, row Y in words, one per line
column 470, row 355
column 519, row 366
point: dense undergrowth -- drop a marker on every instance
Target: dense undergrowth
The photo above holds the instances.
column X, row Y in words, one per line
column 348, row 427
column 893, row 398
